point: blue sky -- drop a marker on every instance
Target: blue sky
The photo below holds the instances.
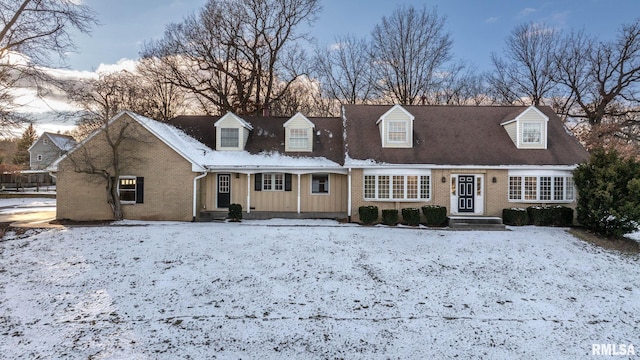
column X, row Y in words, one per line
column 478, row 27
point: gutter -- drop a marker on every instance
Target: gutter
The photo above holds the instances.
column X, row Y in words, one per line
column 195, row 194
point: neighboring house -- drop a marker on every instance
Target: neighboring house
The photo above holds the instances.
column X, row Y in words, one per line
column 473, row 160
column 48, row 148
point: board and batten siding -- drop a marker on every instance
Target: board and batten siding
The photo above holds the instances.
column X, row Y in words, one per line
column 281, row 201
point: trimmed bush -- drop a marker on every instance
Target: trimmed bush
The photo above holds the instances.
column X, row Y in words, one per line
column 411, row 216
column 550, row 215
column 515, row 216
column 368, row 214
column 235, row 212
column 435, row 215
column 390, row 217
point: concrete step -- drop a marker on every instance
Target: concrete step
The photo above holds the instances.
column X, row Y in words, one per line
column 476, row 223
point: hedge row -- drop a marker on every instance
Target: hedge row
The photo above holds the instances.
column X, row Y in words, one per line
column 434, row 215
column 538, row 215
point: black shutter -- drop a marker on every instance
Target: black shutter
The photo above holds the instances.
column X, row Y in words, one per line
column 139, row 190
column 287, row 182
column 258, row 182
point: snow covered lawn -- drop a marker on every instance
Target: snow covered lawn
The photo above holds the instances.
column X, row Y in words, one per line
column 277, row 289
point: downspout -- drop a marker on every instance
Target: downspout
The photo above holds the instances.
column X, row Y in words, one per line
column 349, row 196
column 195, row 194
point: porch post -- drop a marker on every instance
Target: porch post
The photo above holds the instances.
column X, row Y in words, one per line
column 299, row 185
column 349, row 196
column 248, row 193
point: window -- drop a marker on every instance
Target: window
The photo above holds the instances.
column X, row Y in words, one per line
column 273, row 182
column 531, row 133
column 39, row 157
column 320, row 183
column 130, row 189
column 541, row 188
column 397, row 132
column 515, row 188
column 299, row 139
column 397, row 187
column 229, row 138
column 545, row 188
column 45, row 141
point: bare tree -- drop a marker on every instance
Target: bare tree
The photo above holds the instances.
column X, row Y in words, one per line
column 164, row 100
column 101, row 99
column 344, row 70
column 602, row 82
column 458, row 85
column 525, row 74
column 31, row 31
column 236, row 55
column 408, row 49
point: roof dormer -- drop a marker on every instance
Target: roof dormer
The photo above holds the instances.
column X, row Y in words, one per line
column 528, row 129
column 298, row 133
column 396, row 128
column 231, row 132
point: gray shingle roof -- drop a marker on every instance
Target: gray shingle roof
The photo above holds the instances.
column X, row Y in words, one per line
column 458, row 135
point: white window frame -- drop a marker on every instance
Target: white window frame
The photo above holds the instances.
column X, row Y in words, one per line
column 528, row 131
column 224, row 138
column 313, row 191
column 128, row 179
column 298, row 139
column 273, row 182
column 394, row 186
column 391, row 130
column 545, row 188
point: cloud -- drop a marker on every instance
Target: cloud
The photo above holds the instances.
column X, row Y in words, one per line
column 491, row 20
column 526, row 12
column 122, row 64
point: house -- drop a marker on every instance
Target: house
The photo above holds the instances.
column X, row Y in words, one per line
column 42, row 153
column 473, row 160
column 48, row 148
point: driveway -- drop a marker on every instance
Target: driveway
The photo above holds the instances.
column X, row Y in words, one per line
column 28, row 212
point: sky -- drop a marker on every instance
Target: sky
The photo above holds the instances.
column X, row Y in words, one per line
column 478, row 27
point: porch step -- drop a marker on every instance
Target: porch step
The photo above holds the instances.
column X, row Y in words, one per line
column 476, row 223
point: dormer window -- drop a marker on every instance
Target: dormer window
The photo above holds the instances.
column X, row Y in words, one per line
column 396, row 128
column 298, row 133
column 232, row 132
column 229, row 137
column 527, row 129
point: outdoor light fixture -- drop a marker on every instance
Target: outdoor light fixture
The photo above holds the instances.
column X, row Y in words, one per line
column 494, row 180
column 444, row 179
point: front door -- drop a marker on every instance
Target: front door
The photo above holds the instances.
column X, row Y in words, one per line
column 224, row 190
column 465, row 193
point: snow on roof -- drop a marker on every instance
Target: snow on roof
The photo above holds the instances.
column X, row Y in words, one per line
column 203, row 156
column 63, row 142
column 243, row 159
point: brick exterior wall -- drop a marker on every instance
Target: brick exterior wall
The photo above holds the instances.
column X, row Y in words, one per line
column 168, row 181
column 496, row 195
